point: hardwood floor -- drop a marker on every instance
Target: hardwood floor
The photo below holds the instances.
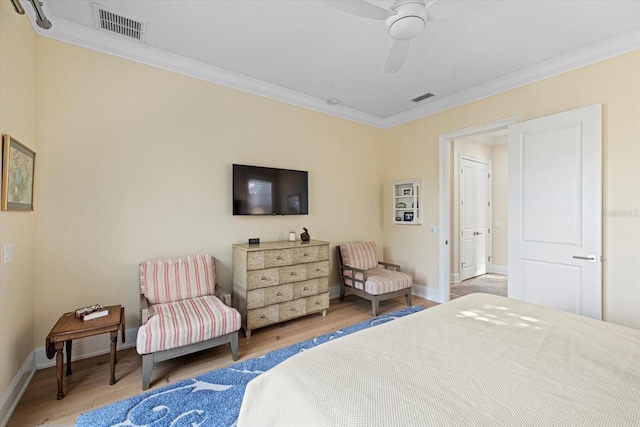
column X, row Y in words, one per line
column 88, row 387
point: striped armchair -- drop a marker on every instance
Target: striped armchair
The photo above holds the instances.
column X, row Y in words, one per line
column 181, row 312
column 363, row 275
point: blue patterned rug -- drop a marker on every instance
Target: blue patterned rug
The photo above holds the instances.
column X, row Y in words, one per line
column 211, row 399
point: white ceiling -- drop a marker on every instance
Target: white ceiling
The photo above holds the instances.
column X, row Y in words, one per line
column 305, row 52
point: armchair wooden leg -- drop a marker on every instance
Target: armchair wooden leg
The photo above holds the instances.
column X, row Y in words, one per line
column 409, row 299
column 374, row 306
column 234, row 345
column 147, row 367
column 341, row 291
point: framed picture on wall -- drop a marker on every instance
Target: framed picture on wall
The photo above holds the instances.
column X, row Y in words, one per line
column 18, row 169
column 407, row 192
column 408, row 216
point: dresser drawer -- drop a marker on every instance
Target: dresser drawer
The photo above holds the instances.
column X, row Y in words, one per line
column 266, row 259
column 317, row 302
column 317, row 269
column 323, row 285
column 268, row 296
column 293, row 273
column 262, row 278
column 262, row 316
column 309, row 254
column 305, row 289
column 291, row 309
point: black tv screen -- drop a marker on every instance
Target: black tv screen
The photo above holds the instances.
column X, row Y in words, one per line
column 269, row 191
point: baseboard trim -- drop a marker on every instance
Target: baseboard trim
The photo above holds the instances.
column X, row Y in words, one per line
column 499, row 269
column 84, row 348
column 12, row 395
column 454, row 278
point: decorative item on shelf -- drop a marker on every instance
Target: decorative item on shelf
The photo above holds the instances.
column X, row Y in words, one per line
column 398, row 218
column 401, row 205
column 305, row 237
column 292, row 236
column 406, row 192
column 408, row 216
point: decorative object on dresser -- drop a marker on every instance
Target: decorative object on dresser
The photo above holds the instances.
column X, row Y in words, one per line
column 182, row 311
column 305, row 237
column 278, row 281
column 363, row 275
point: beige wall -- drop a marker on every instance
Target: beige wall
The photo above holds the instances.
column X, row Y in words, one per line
column 18, row 119
column 135, row 164
column 615, row 83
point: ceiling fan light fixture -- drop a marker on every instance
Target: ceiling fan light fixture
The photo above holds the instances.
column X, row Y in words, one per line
column 405, row 27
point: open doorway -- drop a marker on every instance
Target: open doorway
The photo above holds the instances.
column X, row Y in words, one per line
column 473, row 255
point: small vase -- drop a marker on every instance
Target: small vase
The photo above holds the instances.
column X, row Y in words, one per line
column 292, row 236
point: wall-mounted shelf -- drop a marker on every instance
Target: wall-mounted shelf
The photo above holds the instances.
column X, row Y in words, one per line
column 407, row 206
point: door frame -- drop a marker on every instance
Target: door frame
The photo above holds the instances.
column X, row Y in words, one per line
column 445, row 194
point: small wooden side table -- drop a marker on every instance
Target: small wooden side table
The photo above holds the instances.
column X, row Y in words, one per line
column 70, row 327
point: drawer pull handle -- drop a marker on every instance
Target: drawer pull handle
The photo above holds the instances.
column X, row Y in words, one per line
column 264, row 278
column 317, row 302
column 262, row 316
column 278, row 294
column 293, row 273
column 278, row 257
column 306, row 254
column 306, row 288
column 292, row 309
column 317, row 269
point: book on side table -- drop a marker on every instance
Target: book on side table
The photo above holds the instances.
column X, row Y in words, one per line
column 91, row 312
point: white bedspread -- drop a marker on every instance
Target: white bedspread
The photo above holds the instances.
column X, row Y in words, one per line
column 481, row 360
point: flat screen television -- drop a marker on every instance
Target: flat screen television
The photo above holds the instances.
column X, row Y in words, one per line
column 261, row 190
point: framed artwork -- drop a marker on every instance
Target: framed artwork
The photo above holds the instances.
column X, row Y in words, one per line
column 18, row 168
column 408, row 216
column 407, row 192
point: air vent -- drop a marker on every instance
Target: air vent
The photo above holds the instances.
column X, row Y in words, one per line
column 114, row 22
column 422, row 97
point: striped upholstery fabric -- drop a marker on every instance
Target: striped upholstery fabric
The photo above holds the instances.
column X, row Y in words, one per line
column 181, row 323
column 177, row 279
column 359, row 255
column 381, row 281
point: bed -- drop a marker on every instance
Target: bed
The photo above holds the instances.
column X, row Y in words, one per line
column 480, row 360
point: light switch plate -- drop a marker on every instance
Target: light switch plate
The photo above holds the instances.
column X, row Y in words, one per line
column 435, row 229
column 8, row 253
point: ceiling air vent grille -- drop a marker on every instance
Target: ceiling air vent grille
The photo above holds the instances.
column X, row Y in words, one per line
column 116, row 23
column 422, row 97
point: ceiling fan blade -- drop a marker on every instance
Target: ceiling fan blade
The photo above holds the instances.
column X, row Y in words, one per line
column 360, row 8
column 397, row 56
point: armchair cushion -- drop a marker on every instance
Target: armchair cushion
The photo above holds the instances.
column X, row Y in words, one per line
column 359, row 255
column 171, row 280
column 380, row 281
column 180, row 323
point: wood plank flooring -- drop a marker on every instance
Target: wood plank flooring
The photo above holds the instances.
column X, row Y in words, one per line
column 88, row 387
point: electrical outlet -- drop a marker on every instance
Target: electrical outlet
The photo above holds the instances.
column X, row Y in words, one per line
column 8, row 253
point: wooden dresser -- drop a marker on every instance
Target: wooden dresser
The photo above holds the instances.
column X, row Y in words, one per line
column 278, row 281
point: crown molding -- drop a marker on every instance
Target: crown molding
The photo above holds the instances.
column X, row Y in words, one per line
column 78, row 35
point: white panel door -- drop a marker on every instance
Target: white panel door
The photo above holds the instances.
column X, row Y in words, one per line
column 475, row 214
column 555, row 205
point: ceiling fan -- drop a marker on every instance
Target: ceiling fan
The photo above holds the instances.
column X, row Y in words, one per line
column 405, row 20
